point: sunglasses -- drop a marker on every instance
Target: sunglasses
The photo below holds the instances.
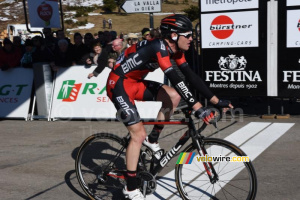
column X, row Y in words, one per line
column 186, row 35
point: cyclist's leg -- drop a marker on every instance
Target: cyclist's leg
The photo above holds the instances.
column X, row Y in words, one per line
column 122, row 93
column 170, row 99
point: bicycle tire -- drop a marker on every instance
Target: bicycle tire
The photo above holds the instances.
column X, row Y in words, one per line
column 97, row 154
column 237, row 180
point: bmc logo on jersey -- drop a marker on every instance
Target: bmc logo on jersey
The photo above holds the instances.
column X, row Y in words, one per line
column 223, row 26
column 298, row 26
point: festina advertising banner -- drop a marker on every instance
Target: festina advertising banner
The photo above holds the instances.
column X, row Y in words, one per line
column 289, row 49
column 293, row 28
column 15, row 92
column 219, row 5
column 293, row 2
column 229, row 30
column 235, row 72
column 76, row 96
column 44, row 13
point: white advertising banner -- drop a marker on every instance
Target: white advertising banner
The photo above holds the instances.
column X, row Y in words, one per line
column 228, row 30
column 293, row 28
column 15, row 92
column 44, row 13
column 293, row 2
column 76, row 96
column 218, row 5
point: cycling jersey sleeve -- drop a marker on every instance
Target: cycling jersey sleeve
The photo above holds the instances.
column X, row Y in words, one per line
column 180, row 86
column 195, row 81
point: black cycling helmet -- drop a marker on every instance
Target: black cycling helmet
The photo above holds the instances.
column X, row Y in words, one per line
column 175, row 23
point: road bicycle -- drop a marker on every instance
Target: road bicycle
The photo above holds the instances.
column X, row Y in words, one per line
column 100, row 166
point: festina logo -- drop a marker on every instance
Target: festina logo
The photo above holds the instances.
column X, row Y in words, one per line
column 232, row 62
column 232, row 69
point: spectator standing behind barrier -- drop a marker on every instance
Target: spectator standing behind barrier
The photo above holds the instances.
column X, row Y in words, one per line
column 80, row 49
column 109, row 21
column 146, row 34
column 60, row 34
column 116, row 49
column 42, row 53
column 101, row 61
column 104, row 23
column 10, row 56
column 130, row 38
column 121, row 36
column 17, row 42
column 88, row 41
column 27, row 60
column 50, row 41
column 154, row 33
column 63, row 57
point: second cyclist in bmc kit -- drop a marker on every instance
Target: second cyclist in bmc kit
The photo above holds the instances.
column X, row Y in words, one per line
column 125, row 84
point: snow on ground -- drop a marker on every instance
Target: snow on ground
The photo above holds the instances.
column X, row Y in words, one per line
column 4, row 19
column 83, row 2
column 87, row 26
column 94, row 14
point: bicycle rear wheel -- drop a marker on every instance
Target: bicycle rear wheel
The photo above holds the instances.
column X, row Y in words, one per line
column 236, row 180
column 100, row 164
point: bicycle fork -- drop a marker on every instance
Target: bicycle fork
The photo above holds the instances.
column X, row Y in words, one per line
column 199, row 144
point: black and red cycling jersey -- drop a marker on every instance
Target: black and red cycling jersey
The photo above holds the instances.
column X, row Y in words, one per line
column 125, row 83
column 144, row 57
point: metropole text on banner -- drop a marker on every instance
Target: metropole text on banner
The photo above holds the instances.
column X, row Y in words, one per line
column 293, row 2
column 76, row 96
column 15, row 92
column 44, row 13
column 293, row 28
column 230, row 30
column 218, row 5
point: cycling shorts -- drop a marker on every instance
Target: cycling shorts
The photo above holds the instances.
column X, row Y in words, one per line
column 123, row 91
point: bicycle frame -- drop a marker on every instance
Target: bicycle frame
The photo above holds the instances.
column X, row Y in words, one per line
column 193, row 133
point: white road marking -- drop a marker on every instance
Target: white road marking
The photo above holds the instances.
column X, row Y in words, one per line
column 268, row 134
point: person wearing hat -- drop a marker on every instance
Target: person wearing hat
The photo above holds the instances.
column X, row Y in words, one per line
column 132, row 38
column 9, row 55
column 26, row 60
column 146, row 34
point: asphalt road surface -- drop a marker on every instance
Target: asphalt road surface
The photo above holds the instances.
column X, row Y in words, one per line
column 37, row 157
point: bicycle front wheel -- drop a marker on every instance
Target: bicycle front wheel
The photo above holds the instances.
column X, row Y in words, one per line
column 100, row 164
column 235, row 180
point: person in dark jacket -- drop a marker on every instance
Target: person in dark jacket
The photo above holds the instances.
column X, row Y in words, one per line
column 10, row 56
column 100, row 58
column 42, row 52
column 64, row 56
column 26, row 60
column 80, row 49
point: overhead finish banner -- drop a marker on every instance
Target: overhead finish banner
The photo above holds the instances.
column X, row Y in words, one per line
column 76, row 96
column 15, row 92
column 234, row 47
column 289, row 48
column 44, row 13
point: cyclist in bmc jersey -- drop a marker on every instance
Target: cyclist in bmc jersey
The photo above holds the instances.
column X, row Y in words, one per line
column 126, row 84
